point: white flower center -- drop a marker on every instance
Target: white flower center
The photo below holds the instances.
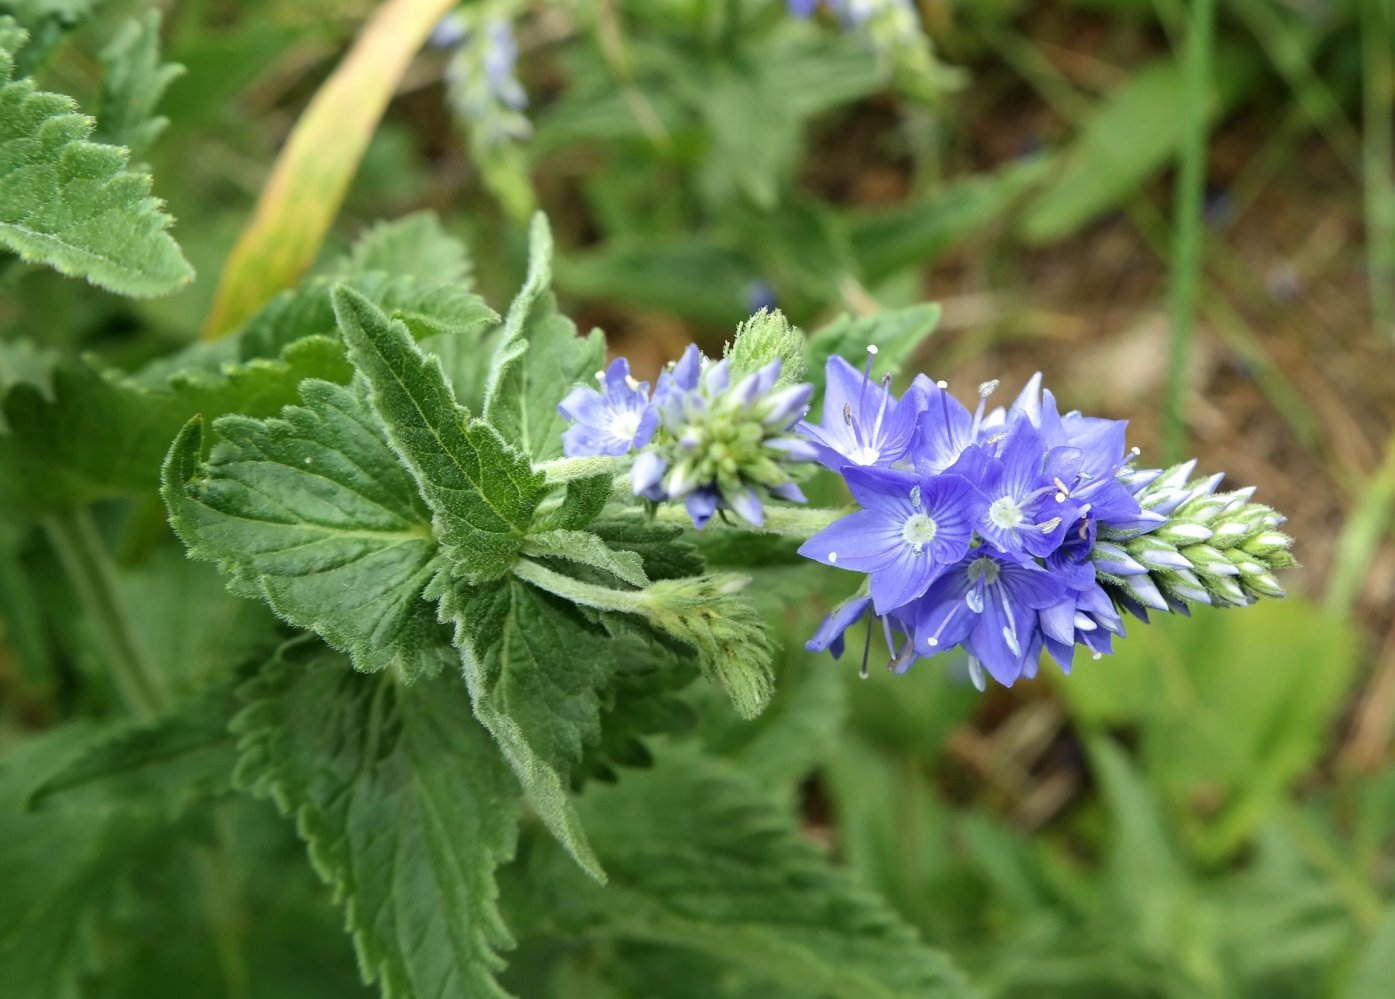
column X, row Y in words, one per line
column 624, row 423
column 1005, row 513
column 918, row 531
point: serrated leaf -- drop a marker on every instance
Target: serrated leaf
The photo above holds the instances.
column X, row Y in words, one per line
column 407, row 810
column 415, row 245
column 538, row 359
column 312, row 512
column 133, row 81
column 161, row 765
column 665, row 552
column 896, row 333
column 62, row 870
column 74, row 204
column 534, row 668
column 700, row 859
column 582, row 503
column 95, row 434
column 585, row 548
column 426, row 310
column 481, row 491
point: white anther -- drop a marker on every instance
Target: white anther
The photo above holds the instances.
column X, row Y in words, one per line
column 988, row 388
column 832, row 558
column 872, row 349
column 942, row 384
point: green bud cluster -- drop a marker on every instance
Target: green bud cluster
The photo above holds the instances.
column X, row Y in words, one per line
column 767, row 336
column 1214, row 548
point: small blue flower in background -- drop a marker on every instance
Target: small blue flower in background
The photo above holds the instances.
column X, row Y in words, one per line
column 613, row 421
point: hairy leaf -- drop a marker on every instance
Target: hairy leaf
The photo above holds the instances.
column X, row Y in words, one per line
column 133, row 81
column 896, row 333
column 163, row 765
column 416, row 246
column 534, row 668
column 406, row 807
column 700, row 859
column 94, row 434
column 426, row 309
column 482, row 492
column 74, row 204
column 538, row 359
column 585, row 548
column 312, row 512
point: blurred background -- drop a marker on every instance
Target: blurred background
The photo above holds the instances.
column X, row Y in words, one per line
column 1182, row 212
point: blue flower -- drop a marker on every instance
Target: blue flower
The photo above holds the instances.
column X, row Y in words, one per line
column 863, row 423
column 613, row 421
column 909, row 530
column 723, row 445
column 989, row 605
column 830, row 633
column 1028, row 508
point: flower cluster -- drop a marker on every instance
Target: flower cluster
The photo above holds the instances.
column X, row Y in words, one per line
column 1017, row 530
column 894, row 29
column 480, row 78
column 706, row 437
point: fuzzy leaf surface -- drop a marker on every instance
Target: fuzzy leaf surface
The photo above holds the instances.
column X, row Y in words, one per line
column 312, row 512
column 89, row 433
column 700, row 859
column 538, row 359
column 407, row 810
column 74, row 204
column 415, row 246
column 133, row 81
column 482, row 492
column 535, row 669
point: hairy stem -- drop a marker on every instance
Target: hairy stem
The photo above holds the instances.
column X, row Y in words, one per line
column 586, row 594
column 561, row 470
column 92, row 575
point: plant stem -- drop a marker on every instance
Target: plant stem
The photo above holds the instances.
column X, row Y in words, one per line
column 1187, row 242
column 92, row 576
column 561, row 470
column 586, row 594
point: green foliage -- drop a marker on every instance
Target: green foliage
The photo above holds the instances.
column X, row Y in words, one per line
column 312, row 512
column 163, row 765
column 538, row 358
column 1223, row 744
column 896, row 334
column 91, row 433
column 133, row 81
column 406, row 808
column 481, row 490
column 765, row 337
column 534, row 668
column 415, row 245
column 72, row 203
column 700, row 860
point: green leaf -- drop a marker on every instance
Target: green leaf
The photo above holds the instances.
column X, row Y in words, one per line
column 919, row 232
column 95, row 434
column 133, row 81
column 699, row 859
column 896, row 333
column 312, row 512
column 585, row 548
column 426, row 309
column 406, row 807
column 534, row 668
column 1223, row 745
column 538, row 359
column 1133, row 135
column 71, row 203
column 163, row 765
column 482, row 492
column 416, row 246
column 62, row 870
column 582, row 503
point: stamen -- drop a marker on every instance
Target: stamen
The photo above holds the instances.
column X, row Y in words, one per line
column 886, row 633
column 866, row 650
column 1046, row 527
column 915, row 495
column 832, row 558
column 942, row 384
column 632, row 382
column 1097, row 656
column 987, row 388
column 881, row 410
column 600, row 376
column 902, row 659
column 1009, row 629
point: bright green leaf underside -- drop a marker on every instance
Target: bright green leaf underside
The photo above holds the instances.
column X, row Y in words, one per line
column 74, row 204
